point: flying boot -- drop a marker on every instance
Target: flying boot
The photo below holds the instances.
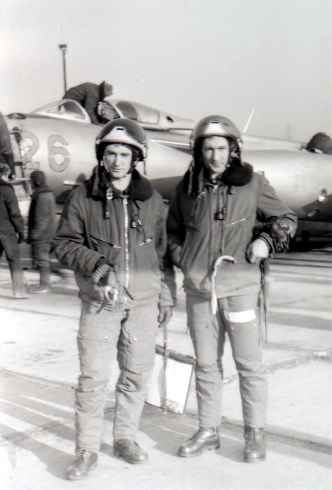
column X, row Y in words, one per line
column 84, row 462
column 204, row 438
column 255, row 445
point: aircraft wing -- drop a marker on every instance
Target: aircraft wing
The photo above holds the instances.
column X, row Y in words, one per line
column 252, row 142
column 176, row 140
column 180, row 140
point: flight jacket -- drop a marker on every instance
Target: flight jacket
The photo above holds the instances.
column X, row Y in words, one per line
column 221, row 219
column 127, row 231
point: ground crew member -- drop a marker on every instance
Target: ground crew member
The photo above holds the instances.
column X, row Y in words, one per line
column 213, row 239
column 11, row 232
column 89, row 95
column 41, row 228
column 112, row 233
column 6, row 150
column 320, row 143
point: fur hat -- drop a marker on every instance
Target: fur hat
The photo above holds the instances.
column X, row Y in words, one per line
column 38, row 177
column 4, row 169
column 322, row 142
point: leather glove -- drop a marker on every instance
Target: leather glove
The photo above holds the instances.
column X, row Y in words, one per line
column 257, row 251
column 20, row 238
column 165, row 314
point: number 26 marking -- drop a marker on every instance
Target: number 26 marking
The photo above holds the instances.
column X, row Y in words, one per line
column 58, row 156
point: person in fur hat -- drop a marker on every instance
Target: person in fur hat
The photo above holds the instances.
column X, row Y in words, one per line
column 214, row 237
column 41, row 228
column 112, row 234
column 320, row 143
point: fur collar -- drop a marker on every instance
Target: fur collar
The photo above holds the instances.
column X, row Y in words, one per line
column 238, row 175
column 139, row 189
column 235, row 175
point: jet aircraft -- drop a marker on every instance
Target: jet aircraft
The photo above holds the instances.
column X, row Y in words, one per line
column 59, row 139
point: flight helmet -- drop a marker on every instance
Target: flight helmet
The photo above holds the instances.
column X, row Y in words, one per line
column 125, row 132
column 217, row 126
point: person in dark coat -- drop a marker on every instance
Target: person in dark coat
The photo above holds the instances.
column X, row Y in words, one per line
column 89, row 95
column 112, row 234
column 215, row 238
column 6, row 151
column 11, row 225
column 41, row 228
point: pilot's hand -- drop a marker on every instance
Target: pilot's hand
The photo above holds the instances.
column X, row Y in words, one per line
column 257, row 251
column 165, row 314
column 106, row 281
column 110, row 294
column 20, row 238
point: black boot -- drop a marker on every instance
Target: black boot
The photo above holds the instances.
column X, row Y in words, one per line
column 85, row 462
column 203, row 439
column 45, row 282
column 130, row 451
column 255, row 445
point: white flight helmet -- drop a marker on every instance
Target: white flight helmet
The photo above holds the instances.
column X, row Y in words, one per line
column 216, row 126
column 121, row 131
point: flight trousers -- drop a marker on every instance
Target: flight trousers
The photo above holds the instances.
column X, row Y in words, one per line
column 236, row 316
column 9, row 245
column 130, row 335
column 41, row 254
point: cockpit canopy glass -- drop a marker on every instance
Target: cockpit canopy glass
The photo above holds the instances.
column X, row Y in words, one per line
column 67, row 109
column 138, row 112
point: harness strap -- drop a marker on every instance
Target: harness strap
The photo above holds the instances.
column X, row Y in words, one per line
column 265, row 294
column 166, row 356
column 217, row 262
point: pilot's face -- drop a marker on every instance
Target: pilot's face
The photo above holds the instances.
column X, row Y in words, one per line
column 215, row 152
column 117, row 160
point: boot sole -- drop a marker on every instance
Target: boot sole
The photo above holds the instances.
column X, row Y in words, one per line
column 83, row 477
column 206, row 448
column 254, row 460
column 119, row 455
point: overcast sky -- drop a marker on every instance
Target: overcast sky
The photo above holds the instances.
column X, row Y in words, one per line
column 188, row 57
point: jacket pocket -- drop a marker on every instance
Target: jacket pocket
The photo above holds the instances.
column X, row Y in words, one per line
column 109, row 250
column 195, row 251
column 238, row 236
column 94, row 333
column 147, row 255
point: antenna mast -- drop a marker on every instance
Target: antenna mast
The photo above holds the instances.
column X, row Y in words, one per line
column 63, row 48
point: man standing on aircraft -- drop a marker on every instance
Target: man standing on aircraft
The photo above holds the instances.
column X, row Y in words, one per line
column 89, row 95
column 112, row 234
column 11, row 225
column 41, row 228
column 214, row 240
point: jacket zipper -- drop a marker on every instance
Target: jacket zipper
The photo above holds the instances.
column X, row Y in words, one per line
column 213, row 201
column 126, row 227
